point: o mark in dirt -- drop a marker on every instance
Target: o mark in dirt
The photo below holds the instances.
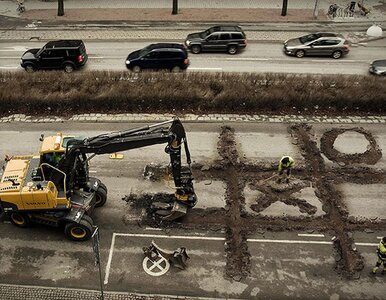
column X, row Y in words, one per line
column 371, row 156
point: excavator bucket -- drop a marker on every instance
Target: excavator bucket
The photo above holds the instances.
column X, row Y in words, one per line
column 179, row 258
column 168, row 213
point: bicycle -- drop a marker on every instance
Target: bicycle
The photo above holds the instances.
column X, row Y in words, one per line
column 332, row 10
column 20, row 6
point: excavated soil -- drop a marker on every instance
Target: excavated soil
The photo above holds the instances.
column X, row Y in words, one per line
column 237, row 174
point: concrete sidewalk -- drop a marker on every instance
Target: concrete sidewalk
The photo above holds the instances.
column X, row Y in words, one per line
column 191, row 10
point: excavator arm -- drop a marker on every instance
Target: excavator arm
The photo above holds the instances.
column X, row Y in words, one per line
column 74, row 162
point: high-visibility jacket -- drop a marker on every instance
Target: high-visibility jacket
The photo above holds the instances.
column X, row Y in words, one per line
column 289, row 164
column 381, row 250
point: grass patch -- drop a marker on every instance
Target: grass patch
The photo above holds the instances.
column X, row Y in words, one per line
column 58, row 93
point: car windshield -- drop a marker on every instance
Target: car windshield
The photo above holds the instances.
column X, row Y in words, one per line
column 308, row 38
column 40, row 51
column 144, row 51
column 207, row 32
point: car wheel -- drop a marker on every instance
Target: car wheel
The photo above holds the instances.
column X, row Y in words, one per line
column 30, row 68
column 68, row 68
column 20, row 220
column 337, row 54
column 196, row 49
column 176, row 69
column 136, row 69
column 232, row 50
column 300, row 53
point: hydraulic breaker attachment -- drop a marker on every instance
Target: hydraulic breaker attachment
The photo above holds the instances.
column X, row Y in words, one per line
column 176, row 258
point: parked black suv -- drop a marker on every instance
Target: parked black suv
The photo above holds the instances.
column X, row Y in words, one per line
column 218, row 38
column 169, row 56
column 64, row 54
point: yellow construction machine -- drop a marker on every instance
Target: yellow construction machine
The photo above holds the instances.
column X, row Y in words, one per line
column 55, row 188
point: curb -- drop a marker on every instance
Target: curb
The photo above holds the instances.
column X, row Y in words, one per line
column 191, row 118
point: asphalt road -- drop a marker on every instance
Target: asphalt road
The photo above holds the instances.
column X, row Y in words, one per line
column 257, row 57
column 284, row 264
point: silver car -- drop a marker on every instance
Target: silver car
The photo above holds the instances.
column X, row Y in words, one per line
column 378, row 67
column 318, row 44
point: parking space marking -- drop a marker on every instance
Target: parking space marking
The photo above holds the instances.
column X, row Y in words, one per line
column 289, row 241
column 311, row 235
column 204, row 238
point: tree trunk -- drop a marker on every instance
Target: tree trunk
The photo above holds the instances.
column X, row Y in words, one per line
column 175, row 7
column 60, row 8
column 284, row 8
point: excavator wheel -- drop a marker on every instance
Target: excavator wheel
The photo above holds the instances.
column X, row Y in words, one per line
column 101, row 195
column 81, row 231
column 103, row 186
column 20, row 220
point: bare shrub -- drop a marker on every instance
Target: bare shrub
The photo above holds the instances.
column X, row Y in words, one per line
column 112, row 92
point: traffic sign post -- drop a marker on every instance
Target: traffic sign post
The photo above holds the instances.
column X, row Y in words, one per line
column 95, row 248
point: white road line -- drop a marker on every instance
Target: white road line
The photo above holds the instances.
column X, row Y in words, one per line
column 178, row 237
column 107, row 272
column 251, row 58
column 217, row 69
column 379, row 237
column 152, row 228
column 9, row 57
column 289, row 241
column 273, row 59
column 8, row 68
column 366, row 244
column 311, row 235
column 92, row 171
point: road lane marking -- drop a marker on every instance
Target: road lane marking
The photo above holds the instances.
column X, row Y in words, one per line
column 9, row 57
column 216, row 69
column 178, row 237
column 14, row 48
column 366, row 244
column 8, row 68
column 107, row 271
column 289, row 241
column 273, row 59
column 311, row 234
column 152, row 228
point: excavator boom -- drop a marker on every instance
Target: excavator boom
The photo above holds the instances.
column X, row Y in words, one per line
column 75, row 161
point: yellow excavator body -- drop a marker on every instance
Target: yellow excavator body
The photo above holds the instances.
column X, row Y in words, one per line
column 18, row 189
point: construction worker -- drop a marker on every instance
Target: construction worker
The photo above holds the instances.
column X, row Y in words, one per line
column 381, row 252
column 285, row 165
column 53, row 158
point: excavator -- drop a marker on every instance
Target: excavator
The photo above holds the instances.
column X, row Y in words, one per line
column 55, row 188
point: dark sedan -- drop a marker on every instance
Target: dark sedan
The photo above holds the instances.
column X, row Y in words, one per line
column 318, row 44
column 378, row 67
